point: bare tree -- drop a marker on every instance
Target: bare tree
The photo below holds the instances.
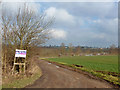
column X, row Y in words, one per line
column 113, row 49
column 71, row 48
column 62, row 48
column 78, row 50
column 23, row 30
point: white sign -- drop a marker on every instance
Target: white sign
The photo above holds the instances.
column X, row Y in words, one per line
column 20, row 53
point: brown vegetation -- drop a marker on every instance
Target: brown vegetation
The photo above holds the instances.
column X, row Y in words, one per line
column 24, row 30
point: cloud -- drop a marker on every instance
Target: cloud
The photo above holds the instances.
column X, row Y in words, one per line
column 80, row 22
column 108, row 26
column 88, row 9
column 18, row 0
column 63, row 0
column 61, row 16
column 13, row 7
column 95, row 23
column 58, row 34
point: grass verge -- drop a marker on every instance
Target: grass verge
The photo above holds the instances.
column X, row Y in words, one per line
column 21, row 83
column 0, row 87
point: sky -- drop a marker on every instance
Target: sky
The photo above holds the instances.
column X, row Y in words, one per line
column 85, row 23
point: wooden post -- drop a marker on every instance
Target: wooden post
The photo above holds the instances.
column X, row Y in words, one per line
column 24, row 67
column 20, row 65
column 14, row 64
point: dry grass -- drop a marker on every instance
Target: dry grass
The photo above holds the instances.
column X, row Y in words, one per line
column 22, row 80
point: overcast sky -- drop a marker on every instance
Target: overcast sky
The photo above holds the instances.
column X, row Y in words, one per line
column 79, row 23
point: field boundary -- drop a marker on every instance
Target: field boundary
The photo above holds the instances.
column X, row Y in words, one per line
column 89, row 73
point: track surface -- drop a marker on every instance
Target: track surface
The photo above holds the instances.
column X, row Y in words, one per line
column 58, row 77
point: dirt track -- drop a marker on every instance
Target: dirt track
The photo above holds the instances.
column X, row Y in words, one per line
column 57, row 77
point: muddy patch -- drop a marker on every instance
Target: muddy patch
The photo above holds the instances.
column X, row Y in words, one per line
column 77, row 65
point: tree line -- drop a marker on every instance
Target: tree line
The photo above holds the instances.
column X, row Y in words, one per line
column 71, row 50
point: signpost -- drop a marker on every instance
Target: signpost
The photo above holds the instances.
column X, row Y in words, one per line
column 20, row 58
column 20, row 53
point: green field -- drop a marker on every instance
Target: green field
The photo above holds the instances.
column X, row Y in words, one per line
column 97, row 63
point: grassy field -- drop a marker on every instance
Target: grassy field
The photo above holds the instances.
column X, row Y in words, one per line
column 97, row 63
